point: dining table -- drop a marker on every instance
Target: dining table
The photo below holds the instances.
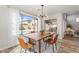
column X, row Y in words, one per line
column 37, row 36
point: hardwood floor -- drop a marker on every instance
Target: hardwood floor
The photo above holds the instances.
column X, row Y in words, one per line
column 70, row 45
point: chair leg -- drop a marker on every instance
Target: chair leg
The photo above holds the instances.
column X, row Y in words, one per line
column 33, row 48
column 35, row 42
column 48, row 45
column 45, row 46
column 29, row 49
column 56, row 46
column 53, row 48
column 25, row 50
column 20, row 50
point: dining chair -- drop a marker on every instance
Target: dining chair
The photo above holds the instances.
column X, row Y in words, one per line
column 48, row 38
column 52, row 41
column 24, row 45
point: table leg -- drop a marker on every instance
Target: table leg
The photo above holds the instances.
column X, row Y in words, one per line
column 39, row 46
column 29, row 42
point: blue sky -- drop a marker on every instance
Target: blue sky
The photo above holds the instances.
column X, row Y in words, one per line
column 23, row 17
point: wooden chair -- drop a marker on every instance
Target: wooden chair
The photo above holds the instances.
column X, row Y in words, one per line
column 52, row 41
column 48, row 38
column 23, row 44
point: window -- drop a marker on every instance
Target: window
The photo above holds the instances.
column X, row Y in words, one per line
column 28, row 24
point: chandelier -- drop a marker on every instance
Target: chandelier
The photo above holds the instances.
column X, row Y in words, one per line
column 43, row 14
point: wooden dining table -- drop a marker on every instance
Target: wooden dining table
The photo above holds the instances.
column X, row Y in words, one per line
column 38, row 37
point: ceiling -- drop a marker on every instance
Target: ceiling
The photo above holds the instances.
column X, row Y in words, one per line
column 48, row 9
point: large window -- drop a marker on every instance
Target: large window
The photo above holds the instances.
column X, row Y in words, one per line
column 28, row 24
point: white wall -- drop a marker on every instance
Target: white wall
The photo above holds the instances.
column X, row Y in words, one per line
column 64, row 23
column 61, row 24
column 39, row 24
column 71, row 19
column 8, row 19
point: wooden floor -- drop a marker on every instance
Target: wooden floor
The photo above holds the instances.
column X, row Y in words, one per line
column 70, row 45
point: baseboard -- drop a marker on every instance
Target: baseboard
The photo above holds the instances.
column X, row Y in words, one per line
column 8, row 47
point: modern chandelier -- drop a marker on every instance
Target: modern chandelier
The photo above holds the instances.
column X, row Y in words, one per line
column 43, row 13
